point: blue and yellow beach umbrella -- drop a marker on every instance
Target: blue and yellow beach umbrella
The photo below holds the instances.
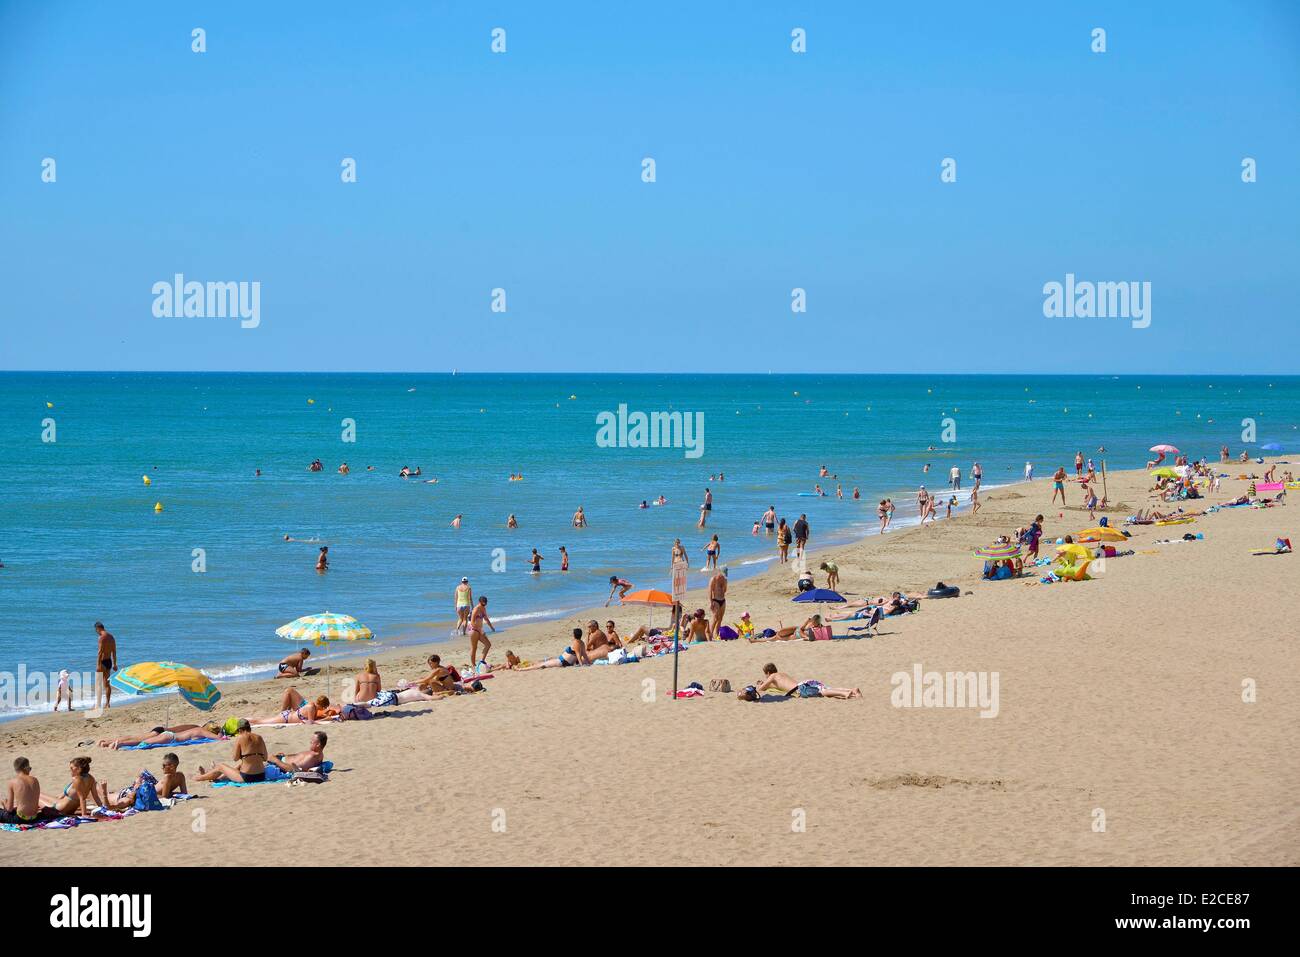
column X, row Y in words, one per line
column 324, row 627
column 151, row 677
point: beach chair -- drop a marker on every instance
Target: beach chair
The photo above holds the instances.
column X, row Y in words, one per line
column 870, row 624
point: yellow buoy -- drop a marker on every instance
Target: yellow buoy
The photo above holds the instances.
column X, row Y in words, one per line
column 311, row 401
column 572, row 397
column 49, row 405
column 147, row 480
column 157, row 506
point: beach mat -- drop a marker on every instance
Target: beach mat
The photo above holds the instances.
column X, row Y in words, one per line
column 273, row 776
column 172, row 744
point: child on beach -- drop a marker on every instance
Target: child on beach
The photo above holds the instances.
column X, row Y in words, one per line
column 63, row 691
column 22, row 803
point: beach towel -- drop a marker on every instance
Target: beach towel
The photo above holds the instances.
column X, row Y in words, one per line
column 273, row 776
column 171, row 744
column 97, row 814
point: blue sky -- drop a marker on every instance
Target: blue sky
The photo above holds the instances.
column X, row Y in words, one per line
column 774, row 170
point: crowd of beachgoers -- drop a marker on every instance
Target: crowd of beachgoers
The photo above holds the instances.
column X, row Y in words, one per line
column 1176, row 498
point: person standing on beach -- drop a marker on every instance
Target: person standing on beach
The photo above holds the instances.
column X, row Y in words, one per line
column 1029, row 471
column 711, row 552
column 679, row 554
column 783, row 542
column 105, row 663
column 923, row 503
column 1078, row 464
column 976, row 474
column 477, row 619
column 800, row 535
column 1033, row 535
column 769, row 519
column 717, row 601
column 464, row 601
column 975, row 498
column 882, row 513
column 1058, row 485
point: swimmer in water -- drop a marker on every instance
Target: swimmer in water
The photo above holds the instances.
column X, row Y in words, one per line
column 323, row 562
column 512, row 522
column 579, row 518
column 455, row 522
column 537, row 562
column 564, row 559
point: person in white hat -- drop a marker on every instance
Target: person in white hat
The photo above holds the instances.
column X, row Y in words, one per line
column 464, row 601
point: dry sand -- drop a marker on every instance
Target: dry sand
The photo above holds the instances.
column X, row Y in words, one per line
column 1122, row 696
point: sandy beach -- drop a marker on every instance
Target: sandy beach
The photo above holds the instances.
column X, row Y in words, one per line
column 1121, row 702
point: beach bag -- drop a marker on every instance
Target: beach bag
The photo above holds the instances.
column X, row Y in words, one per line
column 727, row 633
column 146, row 794
column 308, row 777
column 822, row 633
column 355, row 712
column 230, row 726
column 721, row 685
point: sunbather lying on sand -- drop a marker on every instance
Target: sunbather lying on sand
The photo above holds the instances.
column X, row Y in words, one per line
column 572, row 656
column 781, row 634
column 386, row 699
column 295, row 709
column 161, row 735
column 774, row 680
column 303, row 760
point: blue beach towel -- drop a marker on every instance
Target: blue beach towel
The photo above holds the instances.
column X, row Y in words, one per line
column 273, row 776
column 171, row 744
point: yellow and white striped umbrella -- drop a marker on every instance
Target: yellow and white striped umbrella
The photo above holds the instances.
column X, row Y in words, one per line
column 324, row 627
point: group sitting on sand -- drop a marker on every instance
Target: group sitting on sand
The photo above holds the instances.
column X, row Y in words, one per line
column 26, row 804
column 250, row 758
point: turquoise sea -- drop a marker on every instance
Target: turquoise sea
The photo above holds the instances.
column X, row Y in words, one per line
column 80, row 540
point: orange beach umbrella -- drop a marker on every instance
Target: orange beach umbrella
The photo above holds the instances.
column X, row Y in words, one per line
column 648, row 596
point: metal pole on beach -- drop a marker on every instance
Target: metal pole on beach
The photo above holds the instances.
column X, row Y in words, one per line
column 677, row 618
column 679, row 595
column 1105, row 496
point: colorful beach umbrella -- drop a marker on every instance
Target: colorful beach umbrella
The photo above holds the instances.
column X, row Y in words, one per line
column 1163, row 472
column 998, row 552
column 1171, row 450
column 1103, row 533
column 648, row 596
column 324, row 627
column 819, row 594
column 151, row 677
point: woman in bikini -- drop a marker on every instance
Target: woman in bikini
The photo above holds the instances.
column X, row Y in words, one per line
column 295, row 709
column 79, row 794
column 249, row 759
